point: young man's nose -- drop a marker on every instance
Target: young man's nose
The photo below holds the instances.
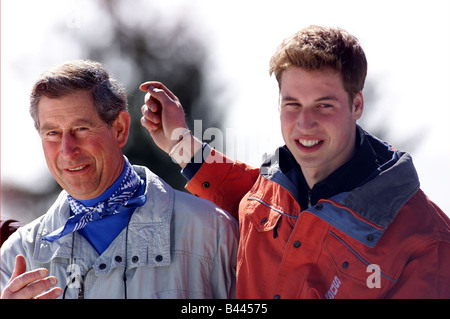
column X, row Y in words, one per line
column 306, row 119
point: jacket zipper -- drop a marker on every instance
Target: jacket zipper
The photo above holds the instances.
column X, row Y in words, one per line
column 309, row 198
column 81, row 289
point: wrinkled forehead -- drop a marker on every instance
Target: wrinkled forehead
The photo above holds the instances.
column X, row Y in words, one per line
column 76, row 108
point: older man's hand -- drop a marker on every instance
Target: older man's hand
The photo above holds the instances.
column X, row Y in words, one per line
column 30, row 285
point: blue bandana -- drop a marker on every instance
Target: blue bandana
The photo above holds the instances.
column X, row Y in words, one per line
column 121, row 200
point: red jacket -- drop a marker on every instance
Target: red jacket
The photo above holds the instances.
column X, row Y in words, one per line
column 385, row 239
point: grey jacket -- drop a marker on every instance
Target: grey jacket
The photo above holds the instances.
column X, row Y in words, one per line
column 176, row 246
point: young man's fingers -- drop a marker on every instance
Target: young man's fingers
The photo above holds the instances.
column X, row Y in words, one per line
column 148, row 115
column 151, row 126
column 155, row 87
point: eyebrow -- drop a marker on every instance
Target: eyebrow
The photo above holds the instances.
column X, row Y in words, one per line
column 327, row 98
column 80, row 122
column 320, row 99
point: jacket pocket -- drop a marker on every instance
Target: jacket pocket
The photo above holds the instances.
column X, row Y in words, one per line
column 351, row 275
column 264, row 216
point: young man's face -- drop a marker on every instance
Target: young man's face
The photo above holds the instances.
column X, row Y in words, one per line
column 82, row 152
column 318, row 122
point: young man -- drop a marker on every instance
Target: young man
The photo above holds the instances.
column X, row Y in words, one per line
column 335, row 213
column 116, row 230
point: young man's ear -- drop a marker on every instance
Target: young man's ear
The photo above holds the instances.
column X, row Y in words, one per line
column 122, row 127
column 358, row 106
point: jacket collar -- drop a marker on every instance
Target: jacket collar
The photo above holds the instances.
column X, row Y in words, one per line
column 148, row 230
column 378, row 198
column 393, row 183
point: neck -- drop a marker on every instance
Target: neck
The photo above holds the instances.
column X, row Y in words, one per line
column 316, row 175
column 313, row 177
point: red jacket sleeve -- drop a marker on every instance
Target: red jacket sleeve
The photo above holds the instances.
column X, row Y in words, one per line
column 223, row 181
column 425, row 276
column 426, row 273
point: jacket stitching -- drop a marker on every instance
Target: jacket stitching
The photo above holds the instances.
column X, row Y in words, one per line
column 358, row 216
column 271, row 207
column 359, row 257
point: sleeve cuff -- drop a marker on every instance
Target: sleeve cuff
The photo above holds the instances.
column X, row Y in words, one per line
column 196, row 162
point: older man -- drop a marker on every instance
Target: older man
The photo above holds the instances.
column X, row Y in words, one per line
column 116, row 230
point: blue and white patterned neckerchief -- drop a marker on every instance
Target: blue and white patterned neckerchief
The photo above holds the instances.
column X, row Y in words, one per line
column 121, row 200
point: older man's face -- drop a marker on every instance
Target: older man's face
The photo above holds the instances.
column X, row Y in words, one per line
column 82, row 152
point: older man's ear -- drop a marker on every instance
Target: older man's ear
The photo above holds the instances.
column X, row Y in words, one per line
column 122, row 127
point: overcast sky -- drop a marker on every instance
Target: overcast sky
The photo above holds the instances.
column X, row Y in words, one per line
column 407, row 44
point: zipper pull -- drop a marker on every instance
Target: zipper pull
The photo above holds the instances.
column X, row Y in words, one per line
column 81, row 289
column 309, row 198
column 81, row 293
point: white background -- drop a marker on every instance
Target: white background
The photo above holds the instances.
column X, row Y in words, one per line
column 407, row 44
